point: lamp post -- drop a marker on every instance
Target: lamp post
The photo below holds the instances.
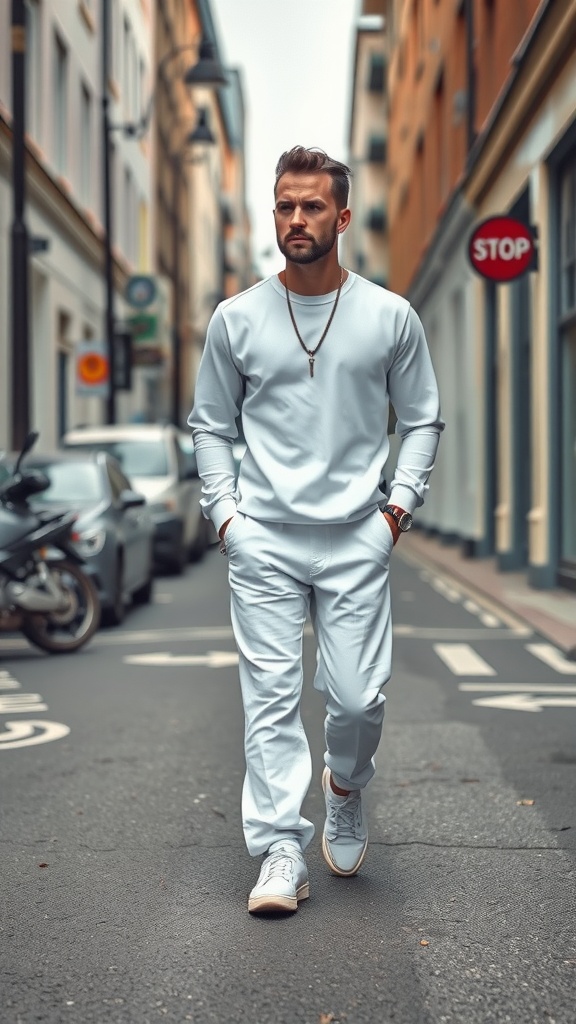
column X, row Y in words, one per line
column 206, row 71
column 19, row 235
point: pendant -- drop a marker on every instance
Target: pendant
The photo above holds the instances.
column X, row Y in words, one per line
column 311, row 361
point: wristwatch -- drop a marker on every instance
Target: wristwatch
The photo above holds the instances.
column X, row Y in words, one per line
column 402, row 519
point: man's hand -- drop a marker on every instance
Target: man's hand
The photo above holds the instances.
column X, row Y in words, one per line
column 222, row 529
column 395, row 529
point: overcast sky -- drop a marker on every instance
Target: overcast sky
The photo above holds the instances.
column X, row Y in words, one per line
column 295, row 57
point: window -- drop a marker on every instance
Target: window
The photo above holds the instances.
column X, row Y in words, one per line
column 33, row 68
column 376, row 149
column 376, row 70
column 129, row 217
column 86, row 146
column 60, row 105
column 71, row 482
column 115, row 41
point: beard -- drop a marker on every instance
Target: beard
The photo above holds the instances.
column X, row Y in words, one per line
column 320, row 246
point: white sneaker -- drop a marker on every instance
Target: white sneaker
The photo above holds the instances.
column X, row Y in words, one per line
column 283, row 879
column 345, row 838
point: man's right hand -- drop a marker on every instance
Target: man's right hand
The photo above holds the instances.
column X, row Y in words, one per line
column 223, row 528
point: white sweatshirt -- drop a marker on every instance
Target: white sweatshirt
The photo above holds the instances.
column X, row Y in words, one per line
column 316, row 446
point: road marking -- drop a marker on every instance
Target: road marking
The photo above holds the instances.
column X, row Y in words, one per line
column 428, row 570
column 189, row 634
column 463, row 660
column 24, row 734
column 553, row 657
column 28, row 733
column 489, row 620
column 214, row 659
column 515, row 688
column 458, row 633
column 451, row 593
column 524, row 702
column 20, row 703
column 7, row 682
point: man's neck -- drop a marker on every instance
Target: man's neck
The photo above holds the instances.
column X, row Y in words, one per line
column 317, row 278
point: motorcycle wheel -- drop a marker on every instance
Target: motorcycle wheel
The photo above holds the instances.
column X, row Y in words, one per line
column 66, row 631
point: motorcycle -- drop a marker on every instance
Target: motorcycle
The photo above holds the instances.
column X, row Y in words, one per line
column 43, row 591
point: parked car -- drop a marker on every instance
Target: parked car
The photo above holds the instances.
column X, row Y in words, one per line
column 114, row 531
column 161, row 465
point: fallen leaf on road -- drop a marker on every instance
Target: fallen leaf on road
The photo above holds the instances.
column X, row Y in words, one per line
column 424, row 942
column 220, row 813
column 43, row 865
column 326, row 1018
column 525, row 803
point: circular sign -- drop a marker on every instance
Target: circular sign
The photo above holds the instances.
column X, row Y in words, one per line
column 140, row 291
column 93, row 368
column 502, row 248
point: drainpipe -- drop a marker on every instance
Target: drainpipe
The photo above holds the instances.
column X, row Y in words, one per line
column 470, row 75
column 19, row 235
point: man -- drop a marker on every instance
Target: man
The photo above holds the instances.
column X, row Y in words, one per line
column 311, row 358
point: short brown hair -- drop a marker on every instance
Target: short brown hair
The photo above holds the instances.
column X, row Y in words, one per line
column 299, row 160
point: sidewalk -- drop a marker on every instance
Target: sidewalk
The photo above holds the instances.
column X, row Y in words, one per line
column 551, row 612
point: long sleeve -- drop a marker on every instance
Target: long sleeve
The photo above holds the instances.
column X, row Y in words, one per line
column 218, row 399
column 414, row 395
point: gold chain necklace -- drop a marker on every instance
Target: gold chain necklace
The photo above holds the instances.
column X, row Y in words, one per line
column 311, row 352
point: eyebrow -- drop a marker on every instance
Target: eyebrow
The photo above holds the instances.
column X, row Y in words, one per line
column 290, row 199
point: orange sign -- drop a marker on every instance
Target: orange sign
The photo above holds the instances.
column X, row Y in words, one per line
column 92, row 368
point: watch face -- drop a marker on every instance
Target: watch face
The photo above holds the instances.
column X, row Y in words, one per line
column 405, row 521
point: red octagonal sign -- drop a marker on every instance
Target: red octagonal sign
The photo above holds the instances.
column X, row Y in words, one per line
column 502, row 248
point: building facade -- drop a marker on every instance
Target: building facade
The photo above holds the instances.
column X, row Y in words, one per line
column 365, row 244
column 64, row 196
column 482, row 122
column 164, row 181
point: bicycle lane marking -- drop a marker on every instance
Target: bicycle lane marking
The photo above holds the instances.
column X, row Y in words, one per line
column 25, row 732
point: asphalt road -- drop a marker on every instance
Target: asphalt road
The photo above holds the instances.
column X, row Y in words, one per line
column 124, row 874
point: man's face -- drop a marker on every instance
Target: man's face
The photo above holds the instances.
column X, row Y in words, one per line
column 306, row 217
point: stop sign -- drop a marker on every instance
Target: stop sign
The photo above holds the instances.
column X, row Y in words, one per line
column 502, row 248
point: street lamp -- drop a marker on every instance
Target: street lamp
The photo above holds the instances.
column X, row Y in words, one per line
column 207, row 71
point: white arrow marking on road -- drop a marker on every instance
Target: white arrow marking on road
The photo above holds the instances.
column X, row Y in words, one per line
column 214, row 659
column 463, row 660
column 553, row 657
column 524, row 702
column 515, row 688
column 24, row 734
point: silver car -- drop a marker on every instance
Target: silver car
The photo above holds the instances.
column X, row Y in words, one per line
column 162, row 466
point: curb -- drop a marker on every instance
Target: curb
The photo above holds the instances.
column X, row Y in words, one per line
column 478, row 575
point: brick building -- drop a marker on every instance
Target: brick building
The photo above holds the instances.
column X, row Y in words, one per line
column 482, row 121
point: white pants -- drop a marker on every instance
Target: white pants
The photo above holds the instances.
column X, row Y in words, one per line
column 278, row 573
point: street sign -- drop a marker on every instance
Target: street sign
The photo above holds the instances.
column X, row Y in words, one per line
column 141, row 291
column 36, row 245
column 123, row 360
column 92, row 370
column 502, row 248
column 146, row 348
